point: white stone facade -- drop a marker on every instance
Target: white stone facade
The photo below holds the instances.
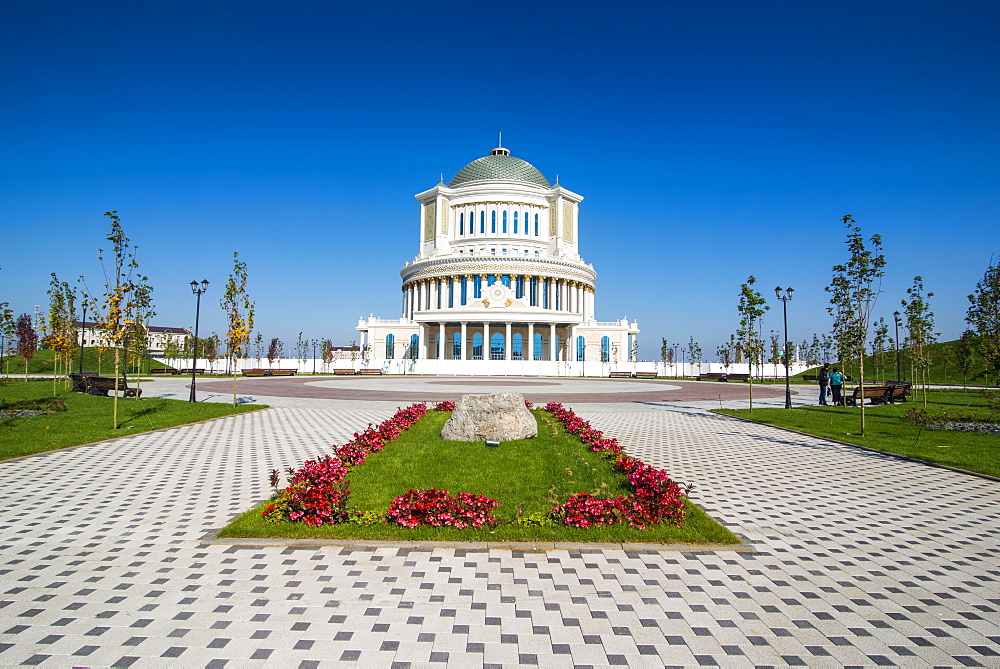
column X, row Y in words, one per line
column 498, row 277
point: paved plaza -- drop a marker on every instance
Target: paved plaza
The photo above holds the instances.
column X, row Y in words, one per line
column 855, row 558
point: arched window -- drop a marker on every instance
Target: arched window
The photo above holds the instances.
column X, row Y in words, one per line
column 482, row 223
column 526, row 230
column 496, row 346
column 493, row 222
column 515, row 222
column 477, row 346
column 456, row 346
column 390, row 346
column 414, row 346
column 536, row 225
column 517, row 347
column 581, row 348
column 504, row 223
column 605, row 349
column 477, row 287
column 461, row 224
column 536, row 347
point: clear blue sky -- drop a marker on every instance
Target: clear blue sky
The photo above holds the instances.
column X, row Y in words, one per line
column 711, row 140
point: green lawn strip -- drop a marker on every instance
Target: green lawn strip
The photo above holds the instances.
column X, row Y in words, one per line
column 43, row 363
column 87, row 418
column 887, row 430
column 531, row 474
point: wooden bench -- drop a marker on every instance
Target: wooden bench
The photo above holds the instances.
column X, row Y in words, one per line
column 100, row 385
column 712, row 376
column 645, row 375
column 620, row 375
column 197, row 370
column 737, row 377
column 163, row 370
column 877, row 395
column 254, row 372
column 345, row 370
column 370, row 371
column 80, row 381
column 283, row 372
column 810, row 377
column 899, row 391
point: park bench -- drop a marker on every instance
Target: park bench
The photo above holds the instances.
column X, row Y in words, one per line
column 810, row 377
column 737, row 377
column 283, row 372
column 344, row 370
column 877, row 395
column 712, row 376
column 254, row 372
column 899, row 391
column 370, row 371
column 80, row 381
column 620, row 375
column 196, row 370
column 163, row 370
column 100, row 385
column 645, row 375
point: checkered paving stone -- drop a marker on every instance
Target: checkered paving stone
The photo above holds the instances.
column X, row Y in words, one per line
column 862, row 560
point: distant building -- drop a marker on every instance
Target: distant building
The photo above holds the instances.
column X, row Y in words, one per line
column 498, row 277
column 157, row 339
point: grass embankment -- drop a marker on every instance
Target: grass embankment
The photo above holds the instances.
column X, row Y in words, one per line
column 887, row 430
column 942, row 369
column 103, row 363
column 87, row 418
column 532, row 475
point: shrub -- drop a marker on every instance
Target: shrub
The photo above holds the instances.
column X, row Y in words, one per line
column 439, row 509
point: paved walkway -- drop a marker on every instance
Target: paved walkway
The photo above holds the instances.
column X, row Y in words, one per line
column 861, row 560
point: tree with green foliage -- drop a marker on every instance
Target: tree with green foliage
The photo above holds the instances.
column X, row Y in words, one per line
column 727, row 352
column 664, row 349
column 920, row 324
column 142, row 312
column 983, row 317
column 853, row 294
column 963, row 354
column 880, row 338
column 328, row 353
column 62, row 331
column 6, row 333
column 211, row 348
column 694, row 348
column 751, row 309
column 239, row 310
column 301, row 349
column 27, row 340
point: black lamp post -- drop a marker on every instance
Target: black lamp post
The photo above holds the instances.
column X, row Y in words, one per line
column 83, row 335
column 197, row 290
column 895, row 316
column 314, row 357
column 784, row 307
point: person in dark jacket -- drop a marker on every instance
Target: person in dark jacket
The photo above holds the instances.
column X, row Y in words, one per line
column 824, row 383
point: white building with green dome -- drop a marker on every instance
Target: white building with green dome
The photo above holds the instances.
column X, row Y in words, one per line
column 498, row 285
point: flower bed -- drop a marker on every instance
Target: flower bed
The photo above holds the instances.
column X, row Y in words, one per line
column 317, row 493
column 962, row 421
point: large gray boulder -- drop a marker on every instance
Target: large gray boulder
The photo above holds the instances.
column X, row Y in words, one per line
column 494, row 416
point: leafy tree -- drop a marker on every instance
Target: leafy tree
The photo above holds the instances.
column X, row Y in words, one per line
column 6, row 332
column 27, row 340
column 328, row 353
column 239, row 309
column 696, row 353
column 62, row 331
column 751, row 309
column 210, row 348
column 919, row 323
column 664, row 350
column 258, row 347
column 727, row 353
column 141, row 310
column 963, row 354
column 172, row 350
column 853, row 295
column 302, row 349
column 984, row 318
column 879, row 341
column 274, row 351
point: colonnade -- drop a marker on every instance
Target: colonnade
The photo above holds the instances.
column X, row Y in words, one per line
column 456, row 291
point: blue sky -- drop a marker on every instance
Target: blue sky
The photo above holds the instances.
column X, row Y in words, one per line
column 711, row 141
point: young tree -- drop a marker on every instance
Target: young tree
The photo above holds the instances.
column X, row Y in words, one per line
column 210, row 348
column 664, row 350
column 118, row 288
column 919, row 323
column 258, row 347
column 62, row 331
column 751, row 309
column 696, row 353
column 328, row 353
column 853, row 295
column 727, row 352
column 27, row 340
column 302, row 349
column 984, row 318
column 274, row 351
column 140, row 308
column 239, row 309
column 963, row 354
column 171, row 350
column 879, row 341
column 6, row 333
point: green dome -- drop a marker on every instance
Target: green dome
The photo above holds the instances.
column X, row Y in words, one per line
column 500, row 165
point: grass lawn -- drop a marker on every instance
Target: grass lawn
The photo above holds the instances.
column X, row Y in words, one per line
column 87, row 418
column 887, row 430
column 533, row 475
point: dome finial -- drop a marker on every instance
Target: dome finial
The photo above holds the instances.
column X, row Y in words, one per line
column 500, row 151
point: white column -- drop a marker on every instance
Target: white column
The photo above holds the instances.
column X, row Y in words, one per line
column 486, row 340
column 506, row 343
column 465, row 346
column 441, row 353
column 531, row 341
column 552, row 342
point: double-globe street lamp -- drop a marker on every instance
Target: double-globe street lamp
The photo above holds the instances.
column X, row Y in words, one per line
column 784, row 307
column 895, row 316
column 197, row 290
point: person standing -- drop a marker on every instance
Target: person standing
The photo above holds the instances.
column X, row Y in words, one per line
column 824, row 383
column 837, row 386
